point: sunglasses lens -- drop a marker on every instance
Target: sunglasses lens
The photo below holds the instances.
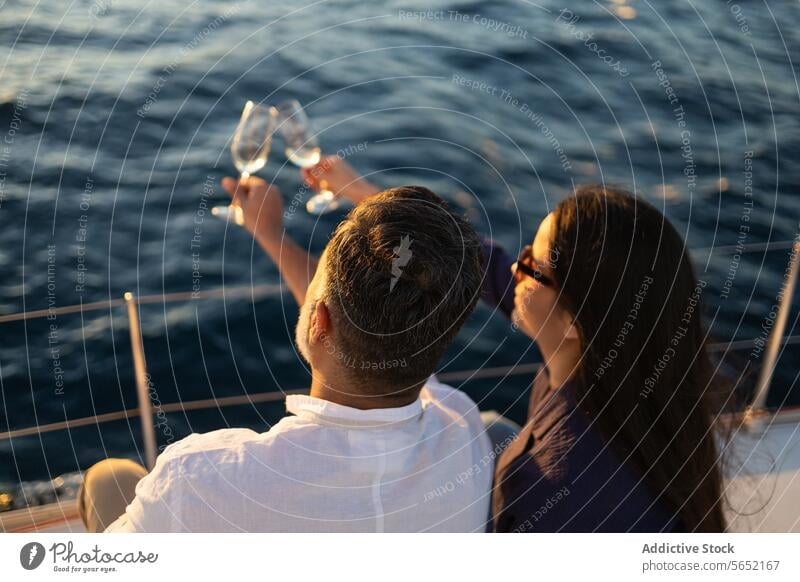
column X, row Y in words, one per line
column 526, row 265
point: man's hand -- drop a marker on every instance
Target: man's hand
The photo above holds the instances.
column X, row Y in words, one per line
column 336, row 175
column 261, row 204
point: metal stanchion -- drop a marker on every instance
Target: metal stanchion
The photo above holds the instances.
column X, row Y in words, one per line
column 142, row 384
column 776, row 337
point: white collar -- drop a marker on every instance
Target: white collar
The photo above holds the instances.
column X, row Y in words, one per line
column 331, row 413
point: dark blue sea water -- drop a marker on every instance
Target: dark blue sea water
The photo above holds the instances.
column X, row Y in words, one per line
column 115, row 116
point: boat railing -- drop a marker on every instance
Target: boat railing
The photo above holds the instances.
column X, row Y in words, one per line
column 774, row 342
column 144, row 409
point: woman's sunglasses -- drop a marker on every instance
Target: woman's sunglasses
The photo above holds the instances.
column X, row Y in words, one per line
column 527, row 265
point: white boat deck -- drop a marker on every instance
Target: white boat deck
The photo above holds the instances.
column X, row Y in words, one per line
column 59, row 517
column 764, row 493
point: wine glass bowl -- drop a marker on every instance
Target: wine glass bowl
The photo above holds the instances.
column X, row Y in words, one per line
column 250, row 147
column 253, row 138
column 302, row 149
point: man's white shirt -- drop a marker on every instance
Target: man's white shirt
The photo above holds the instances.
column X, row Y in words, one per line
column 427, row 466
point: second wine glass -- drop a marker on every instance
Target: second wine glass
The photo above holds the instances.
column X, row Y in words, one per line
column 249, row 150
column 303, row 150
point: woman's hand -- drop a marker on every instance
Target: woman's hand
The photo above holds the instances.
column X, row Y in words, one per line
column 334, row 174
column 261, row 204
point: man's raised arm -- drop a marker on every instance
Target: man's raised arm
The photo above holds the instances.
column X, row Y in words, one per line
column 262, row 208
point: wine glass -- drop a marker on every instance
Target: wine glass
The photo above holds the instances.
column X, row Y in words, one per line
column 303, row 150
column 249, row 150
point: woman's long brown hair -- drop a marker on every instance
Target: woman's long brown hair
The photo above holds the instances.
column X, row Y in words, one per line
column 645, row 377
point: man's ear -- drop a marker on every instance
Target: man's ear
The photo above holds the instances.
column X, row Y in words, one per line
column 320, row 322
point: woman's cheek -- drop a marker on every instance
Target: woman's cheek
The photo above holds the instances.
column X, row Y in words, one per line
column 526, row 311
column 520, row 324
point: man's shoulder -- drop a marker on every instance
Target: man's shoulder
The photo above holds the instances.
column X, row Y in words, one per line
column 222, row 443
column 437, row 392
column 457, row 409
column 221, row 452
column 184, row 472
column 208, row 442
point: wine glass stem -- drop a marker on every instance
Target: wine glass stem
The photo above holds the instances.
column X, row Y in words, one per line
column 235, row 207
column 323, row 187
column 243, row 176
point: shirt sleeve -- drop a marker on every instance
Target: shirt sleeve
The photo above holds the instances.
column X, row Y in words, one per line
column 498, row 283
column 156, row 507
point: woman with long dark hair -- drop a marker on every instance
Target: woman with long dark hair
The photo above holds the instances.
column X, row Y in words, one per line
column 621, row 432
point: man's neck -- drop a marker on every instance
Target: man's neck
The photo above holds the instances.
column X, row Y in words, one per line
column 341, row 391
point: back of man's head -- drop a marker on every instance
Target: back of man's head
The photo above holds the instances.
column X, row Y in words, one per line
column 403, row 274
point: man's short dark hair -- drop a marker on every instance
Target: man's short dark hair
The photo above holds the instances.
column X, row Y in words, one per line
column 403, row 274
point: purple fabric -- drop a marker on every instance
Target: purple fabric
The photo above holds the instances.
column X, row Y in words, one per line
column 559, row 476
column 498, row 284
